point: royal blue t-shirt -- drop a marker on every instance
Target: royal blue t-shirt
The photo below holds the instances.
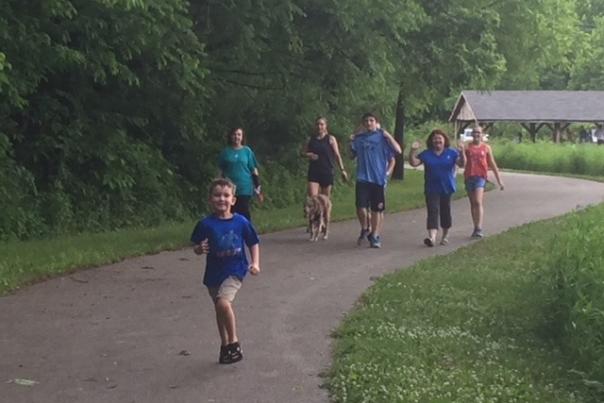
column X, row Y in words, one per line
column 227, row 240
column 373, row 152
column 439, row 171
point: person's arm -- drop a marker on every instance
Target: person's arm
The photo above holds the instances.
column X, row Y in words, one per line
column 255, row 257
column 390, row 167
column 393, row 143
column 493, row 166
column 308, row 154
column 202, row 248
column 334, row 145
column 199, row 238
column 413, row 160
column 461, row 160
column 351, row 148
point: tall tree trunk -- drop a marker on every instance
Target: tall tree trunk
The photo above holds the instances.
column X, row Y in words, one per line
column 399, row 136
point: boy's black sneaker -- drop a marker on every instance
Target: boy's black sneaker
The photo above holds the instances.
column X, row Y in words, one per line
column 224, row 355
column 233, row 353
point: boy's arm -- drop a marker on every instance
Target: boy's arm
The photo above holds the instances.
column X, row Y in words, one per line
column 202, row 248
column 393, row 143
column 255, row 257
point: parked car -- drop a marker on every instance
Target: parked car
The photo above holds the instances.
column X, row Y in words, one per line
column 466, row 135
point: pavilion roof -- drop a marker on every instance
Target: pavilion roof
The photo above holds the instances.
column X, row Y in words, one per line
column 529, row 106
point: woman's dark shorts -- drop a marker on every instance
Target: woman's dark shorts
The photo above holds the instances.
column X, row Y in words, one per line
column 323, row 179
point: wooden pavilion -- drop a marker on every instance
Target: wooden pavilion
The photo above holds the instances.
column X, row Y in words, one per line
column 533, row 110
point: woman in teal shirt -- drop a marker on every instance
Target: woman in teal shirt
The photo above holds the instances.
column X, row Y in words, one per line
column 238, row 163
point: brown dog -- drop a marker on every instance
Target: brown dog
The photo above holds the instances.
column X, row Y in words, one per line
column 318, row 211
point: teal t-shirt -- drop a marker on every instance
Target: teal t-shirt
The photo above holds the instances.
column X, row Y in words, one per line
column 238, row 165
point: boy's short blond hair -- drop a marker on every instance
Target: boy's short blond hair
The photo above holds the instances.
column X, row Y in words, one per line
column 222, row 182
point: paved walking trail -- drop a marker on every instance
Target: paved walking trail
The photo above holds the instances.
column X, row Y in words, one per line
column 143, row 330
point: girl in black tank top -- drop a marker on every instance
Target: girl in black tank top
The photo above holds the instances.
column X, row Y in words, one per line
column 321, row 147
column 322, row 152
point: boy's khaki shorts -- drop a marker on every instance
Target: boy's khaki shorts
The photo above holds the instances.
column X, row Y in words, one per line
column 227, row 290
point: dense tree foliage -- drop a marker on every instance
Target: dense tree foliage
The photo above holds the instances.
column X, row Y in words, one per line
column 113, row 111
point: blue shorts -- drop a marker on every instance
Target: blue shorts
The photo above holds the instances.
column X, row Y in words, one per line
column 475, row 182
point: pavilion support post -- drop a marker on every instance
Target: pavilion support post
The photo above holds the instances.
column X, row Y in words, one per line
column 556, row 133
column 533, row 132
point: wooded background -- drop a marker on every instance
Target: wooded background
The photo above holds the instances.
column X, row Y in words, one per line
column 113, row 112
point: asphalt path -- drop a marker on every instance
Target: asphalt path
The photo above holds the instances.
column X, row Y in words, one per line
column 143, row 330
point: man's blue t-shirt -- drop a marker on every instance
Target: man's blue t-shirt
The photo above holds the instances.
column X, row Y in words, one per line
column 439, row 171
column 373, row 152
column 238, row 165
column 227, row 240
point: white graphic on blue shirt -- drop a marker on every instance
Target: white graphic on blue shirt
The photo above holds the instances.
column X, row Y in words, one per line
column 229, row 245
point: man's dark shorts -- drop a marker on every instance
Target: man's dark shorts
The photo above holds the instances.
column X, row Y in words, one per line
column 370, row 195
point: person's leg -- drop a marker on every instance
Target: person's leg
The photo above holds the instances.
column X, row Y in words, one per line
column 313, row 189
column 225, row 315
column 378, row 204
column 476, row 205
column 377, row 220
column 362, row 205
column 226, row 319
column 362, row 214
column 326, row 190
column 432, row 207
column 446, row 220
column 325, row 184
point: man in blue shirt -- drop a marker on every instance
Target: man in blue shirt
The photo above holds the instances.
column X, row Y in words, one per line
column 373, row 149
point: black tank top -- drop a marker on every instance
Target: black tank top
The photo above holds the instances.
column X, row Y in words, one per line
column 324, row 164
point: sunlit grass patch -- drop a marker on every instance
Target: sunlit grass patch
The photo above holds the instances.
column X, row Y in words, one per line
column 467, row 327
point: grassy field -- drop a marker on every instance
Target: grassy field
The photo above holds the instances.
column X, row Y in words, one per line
column 544, row 156
column 26, row 262
column 474, row 326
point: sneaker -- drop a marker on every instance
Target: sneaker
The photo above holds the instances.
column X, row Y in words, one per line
column 233, row 354
column 364, row 234
column 477, row 234
column 374, row 241
column 224, row 355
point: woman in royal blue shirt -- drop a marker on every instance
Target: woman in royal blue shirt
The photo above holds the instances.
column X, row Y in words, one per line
column 439, row 181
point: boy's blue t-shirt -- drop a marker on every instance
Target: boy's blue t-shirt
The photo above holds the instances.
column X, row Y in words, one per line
column 238, row 165
column 439, row 171
column 227, row 240
column 373, row 152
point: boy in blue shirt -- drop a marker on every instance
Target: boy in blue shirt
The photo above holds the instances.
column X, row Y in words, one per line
column 374, row 150
column 222, row 236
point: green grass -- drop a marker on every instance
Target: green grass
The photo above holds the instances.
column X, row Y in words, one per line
column 25, row 262
column 468, row 327
column 566, row 158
